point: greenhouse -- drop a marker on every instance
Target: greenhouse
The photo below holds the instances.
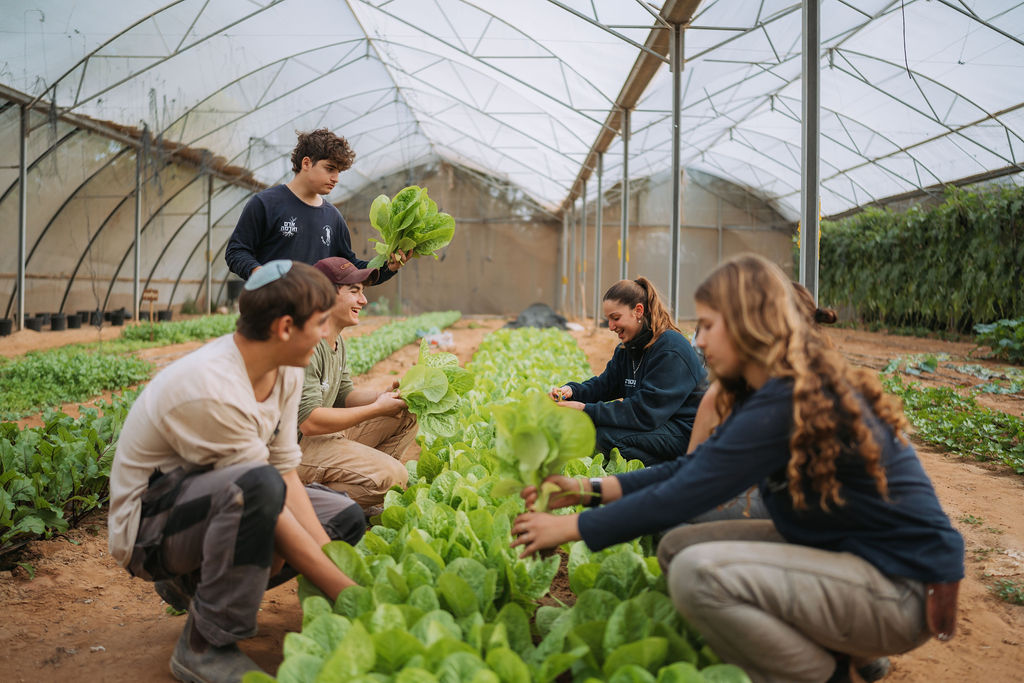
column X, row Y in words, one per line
column 636, row 172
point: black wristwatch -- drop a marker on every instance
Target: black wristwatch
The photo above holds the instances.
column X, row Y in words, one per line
column 596, row 497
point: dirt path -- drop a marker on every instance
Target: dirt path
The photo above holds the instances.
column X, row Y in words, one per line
column 83, row 616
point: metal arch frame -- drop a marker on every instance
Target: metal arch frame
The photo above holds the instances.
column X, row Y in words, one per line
column 777, row 94
column 67, row 200
column 142, row 229
column 179, row 49
column 92, row 240
column 156, row 263
column 38, row 159
column 482, row 60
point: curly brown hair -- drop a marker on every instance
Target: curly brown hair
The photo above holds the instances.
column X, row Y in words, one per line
column 767, row 325
column 322, row 144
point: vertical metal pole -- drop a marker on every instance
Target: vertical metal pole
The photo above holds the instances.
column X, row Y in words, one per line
column 137, row 258
column 676, row 49
column 598, row 218
column 22, row 214
column 572, row 260
column 809, row 153
column 563, row 263
column 624, row 230
column 583, row 253
column 209, row 244
column 718, row 220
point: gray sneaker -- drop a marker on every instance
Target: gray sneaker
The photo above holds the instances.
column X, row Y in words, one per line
column 225, row 664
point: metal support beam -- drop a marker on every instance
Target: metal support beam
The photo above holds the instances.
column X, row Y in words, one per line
column 583, row 253
column 572, row 260
column 676, row 64
column 598, row 217
column 809, row 153
column 209, row 244
column 563, row 265
column 624, row 230
column 22, row 213
column 137, row 258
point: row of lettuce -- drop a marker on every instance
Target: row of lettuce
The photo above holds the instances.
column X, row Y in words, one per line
column 52, row 475
column 443, row 597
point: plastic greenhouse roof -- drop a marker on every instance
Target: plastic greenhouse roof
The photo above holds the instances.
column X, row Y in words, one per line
column 913, row 92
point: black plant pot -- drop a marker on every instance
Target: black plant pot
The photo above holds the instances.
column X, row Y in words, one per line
column 58, row 322
column 74, row 321
column 34, row 324
column 96, row 318
column 84, row 316
column 143, row 315
column 6, row 326
column 117, row 318
column 163, row 315
column 44, row 318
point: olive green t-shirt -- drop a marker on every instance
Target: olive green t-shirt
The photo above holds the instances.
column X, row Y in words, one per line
column 327, row 380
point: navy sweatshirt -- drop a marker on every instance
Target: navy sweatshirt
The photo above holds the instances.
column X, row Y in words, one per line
column 275, row 224
column 909, row 535
column 659, row 385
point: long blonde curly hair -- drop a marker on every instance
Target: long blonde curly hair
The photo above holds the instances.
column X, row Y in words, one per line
column 764, row 320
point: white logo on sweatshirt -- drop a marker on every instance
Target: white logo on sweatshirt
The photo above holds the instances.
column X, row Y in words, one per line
column 289, row 228
column 326, row 239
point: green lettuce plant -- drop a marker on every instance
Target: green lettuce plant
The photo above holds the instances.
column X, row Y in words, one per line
column 410, row 221
column 432, row 389
column 535, row 438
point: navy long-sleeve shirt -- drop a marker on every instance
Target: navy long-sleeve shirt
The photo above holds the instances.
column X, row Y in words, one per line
column 275, row 224
column 908, row 535
column 659, row 385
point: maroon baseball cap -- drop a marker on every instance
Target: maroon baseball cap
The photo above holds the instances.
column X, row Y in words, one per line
column 341, row 271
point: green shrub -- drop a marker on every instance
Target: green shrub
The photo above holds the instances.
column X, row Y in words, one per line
column 1006, row 337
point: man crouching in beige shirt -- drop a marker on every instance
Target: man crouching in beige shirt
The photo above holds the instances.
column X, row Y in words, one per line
column 205, row 499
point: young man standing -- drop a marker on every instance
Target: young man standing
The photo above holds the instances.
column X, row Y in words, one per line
column 205, row 499
column 294, row 221
column 352, row 439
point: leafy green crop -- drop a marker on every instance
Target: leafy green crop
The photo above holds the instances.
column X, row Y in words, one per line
column 443, row 597
column 409, row 221
column 51, row 476
column 943, row 417
column 181, row 331
column 366, row 351
column 42, row 379
column 1006, row 337
column 432, row 389
column 535, row 439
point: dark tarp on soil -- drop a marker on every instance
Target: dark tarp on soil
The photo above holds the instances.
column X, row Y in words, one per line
column 538, row 315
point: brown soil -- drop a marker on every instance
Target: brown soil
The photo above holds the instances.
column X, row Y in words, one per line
column 82, row 616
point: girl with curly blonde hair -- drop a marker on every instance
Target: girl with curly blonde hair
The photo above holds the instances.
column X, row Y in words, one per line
column 857, row 553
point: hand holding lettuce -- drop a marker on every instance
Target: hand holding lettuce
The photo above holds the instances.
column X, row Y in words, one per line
column 535, row 439
column 409, row 222
column 432, row 389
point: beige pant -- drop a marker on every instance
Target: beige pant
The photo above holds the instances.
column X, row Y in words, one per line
column 776, row 609
column 363, row 461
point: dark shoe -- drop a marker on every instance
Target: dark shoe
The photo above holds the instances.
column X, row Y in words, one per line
column 176, row 592
column 875, row 670
column 226, row 664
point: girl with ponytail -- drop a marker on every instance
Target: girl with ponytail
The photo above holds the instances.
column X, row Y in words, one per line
column 858, row 559
column 655, row 372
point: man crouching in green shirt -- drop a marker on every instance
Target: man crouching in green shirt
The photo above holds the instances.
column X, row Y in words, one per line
column 352, row 440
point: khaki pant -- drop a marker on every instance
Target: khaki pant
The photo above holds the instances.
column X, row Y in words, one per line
column 363, row 461
column 776, row 609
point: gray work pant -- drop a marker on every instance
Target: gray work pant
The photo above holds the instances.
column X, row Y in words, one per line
column 779, row 610
column 216, row 527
